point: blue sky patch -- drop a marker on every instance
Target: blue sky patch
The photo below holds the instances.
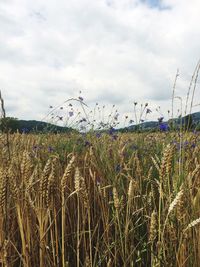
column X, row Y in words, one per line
column 155, row 4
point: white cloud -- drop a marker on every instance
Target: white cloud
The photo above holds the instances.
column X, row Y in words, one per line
column 116, row 51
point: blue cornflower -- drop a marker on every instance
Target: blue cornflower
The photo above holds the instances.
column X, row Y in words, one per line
column 114, row 137
column 163, row 127
column 185, row 143
column 111, row 131
column 193, row 145
column 25, row 130
column 87, row 143
column 98, row 135
column 35, row 147
column 118, row 168
column 50, row 149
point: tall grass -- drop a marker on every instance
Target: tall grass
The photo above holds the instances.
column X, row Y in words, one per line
column 103, row 204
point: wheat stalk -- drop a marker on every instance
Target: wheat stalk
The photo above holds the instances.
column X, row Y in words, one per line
column 116, row 198
column 64, row 179
column 175, row 202
column 153, row 226
column 192, row 224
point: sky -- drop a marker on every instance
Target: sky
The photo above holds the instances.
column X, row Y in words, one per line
column 116, row 52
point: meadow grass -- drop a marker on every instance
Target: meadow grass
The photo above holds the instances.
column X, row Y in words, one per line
column 94, row 200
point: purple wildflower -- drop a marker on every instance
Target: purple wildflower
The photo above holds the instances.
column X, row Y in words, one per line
column 35, row 147
column 25, row 130
column 118, row 168
column 114, row 137
column 163, row 127
column 87, row 143
column 71, row 113
column 98, row 135
column 185, row 143
column 111, row 131
column 80, row 98
column 50, row 149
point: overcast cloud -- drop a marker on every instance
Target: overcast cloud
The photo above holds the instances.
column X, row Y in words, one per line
column 114, row 51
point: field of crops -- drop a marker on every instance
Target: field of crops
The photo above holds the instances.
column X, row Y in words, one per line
column 100, row 200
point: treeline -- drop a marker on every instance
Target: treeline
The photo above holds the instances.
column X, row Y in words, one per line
column 13, row 125
column 189, row 122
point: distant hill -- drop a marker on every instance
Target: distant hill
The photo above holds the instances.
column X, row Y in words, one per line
column 40, row 126
column 153, row 125
column 33, row 126
column 27, row 126
column 195, row 118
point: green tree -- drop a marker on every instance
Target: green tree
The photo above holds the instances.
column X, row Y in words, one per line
column 188, row 122
column 9, row 124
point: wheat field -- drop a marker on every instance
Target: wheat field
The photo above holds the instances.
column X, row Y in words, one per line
column 88, row 200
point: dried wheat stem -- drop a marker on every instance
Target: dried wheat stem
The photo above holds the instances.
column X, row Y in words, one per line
column 116, row 198
column 153, row 226
column 175, row 201
column 192, row 224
